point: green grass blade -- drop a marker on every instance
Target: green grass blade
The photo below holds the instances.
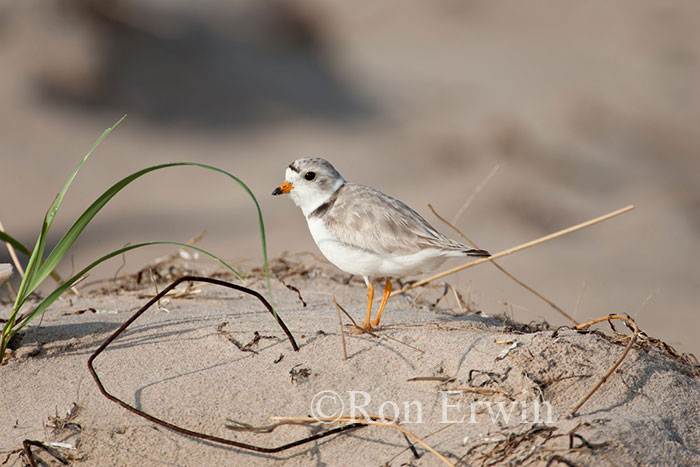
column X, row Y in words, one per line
column 16, row 244
column 51, row 214
column 29, row 283
column 66, row 285
column 7, row 238
column 72, row 234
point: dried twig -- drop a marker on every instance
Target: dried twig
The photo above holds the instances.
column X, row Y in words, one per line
column 404, row 343
column 482, row 391
column 458, row 299
column 242, row 347
column 451, row 379
column 439, row 379
column 27, row 445
column 514, row 249
column 510, row 276
column 617, row 363
column 342, row 331
column 411, row 446
column 293, row 289
column 354, row 323
column 60, row 423
column 374, row 420
column 155, row 286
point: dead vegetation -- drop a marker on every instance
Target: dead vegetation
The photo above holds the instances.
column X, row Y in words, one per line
column 534, row 443
column 250, row 346
column 66, row 433
column 525, row 372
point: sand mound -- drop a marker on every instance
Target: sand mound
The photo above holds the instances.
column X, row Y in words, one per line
column 477, row 389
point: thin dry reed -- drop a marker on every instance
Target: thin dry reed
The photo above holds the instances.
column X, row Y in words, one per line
column 514, row 249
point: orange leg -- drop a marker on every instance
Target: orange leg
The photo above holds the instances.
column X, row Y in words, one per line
column 385, row 298
column 370, row 297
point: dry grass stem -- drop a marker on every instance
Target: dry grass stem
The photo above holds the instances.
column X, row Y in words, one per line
column 440, row 379
column 459, row 302
column 374, row 420
column 641, row 307
column 160, row 304
column 451, row 379
column 354, row 323
column 515, row 249
column 617, row 363
column 474, row 193
column 508, row 274
column 13, row 254
column 482, row 391
column 388, row 463
column 342, row 332
column 404, row 343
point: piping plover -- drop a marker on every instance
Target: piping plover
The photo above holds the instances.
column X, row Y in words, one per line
column 363, row 231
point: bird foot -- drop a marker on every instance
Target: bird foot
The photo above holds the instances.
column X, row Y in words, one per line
column 353, row 329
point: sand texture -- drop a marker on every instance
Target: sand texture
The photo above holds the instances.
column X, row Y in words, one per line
column 215, row 358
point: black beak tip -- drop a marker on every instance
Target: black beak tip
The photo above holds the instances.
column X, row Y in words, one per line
column 278, row 191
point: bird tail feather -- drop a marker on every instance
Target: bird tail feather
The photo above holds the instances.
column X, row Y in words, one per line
column 473, row 252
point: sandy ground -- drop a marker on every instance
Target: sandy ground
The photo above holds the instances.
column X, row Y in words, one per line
column 180, row 363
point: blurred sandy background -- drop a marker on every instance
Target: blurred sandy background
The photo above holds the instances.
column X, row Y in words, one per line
column 586, row 107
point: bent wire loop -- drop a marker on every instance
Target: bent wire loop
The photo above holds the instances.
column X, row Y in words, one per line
column 196, row 434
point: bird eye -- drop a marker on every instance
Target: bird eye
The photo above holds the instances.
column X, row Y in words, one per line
column 310, row 176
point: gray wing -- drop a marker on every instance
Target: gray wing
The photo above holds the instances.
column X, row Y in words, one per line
column 366, row 218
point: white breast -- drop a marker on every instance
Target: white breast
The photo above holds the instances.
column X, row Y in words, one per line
column 362, row 262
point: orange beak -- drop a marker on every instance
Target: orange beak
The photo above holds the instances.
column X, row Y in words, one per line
column 283, row 189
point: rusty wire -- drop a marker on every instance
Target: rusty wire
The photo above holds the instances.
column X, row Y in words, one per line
column 185, row 431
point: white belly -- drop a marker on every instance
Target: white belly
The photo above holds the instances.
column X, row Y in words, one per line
column 367, row 263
